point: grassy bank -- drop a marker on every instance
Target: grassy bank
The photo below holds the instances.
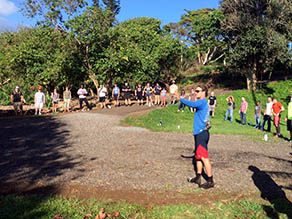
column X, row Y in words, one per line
column 49, row 207
column 171, row 119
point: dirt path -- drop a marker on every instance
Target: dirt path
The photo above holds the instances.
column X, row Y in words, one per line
column 90, row 149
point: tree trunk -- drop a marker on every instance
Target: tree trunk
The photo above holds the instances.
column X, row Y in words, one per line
column 251, row 80
column 96, row 84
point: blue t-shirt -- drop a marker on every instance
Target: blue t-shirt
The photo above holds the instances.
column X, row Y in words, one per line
column 201, row 116
column 116, row 90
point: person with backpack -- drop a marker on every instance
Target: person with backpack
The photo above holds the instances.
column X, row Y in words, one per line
column 231, row 107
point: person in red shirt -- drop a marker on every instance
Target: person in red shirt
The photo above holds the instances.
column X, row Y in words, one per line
column 277, row 108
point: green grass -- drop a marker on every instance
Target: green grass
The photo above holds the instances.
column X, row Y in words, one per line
column 170, row 118
column 47, row 207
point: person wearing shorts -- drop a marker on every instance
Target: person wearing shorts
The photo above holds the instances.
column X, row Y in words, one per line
column 67, row 99
column 102, row 91
column 82, row 92
column 116, row 95
column 172, row 90
column 148, row 93
column 127, row 94
column 157, row 90
column 163, row 97
column 39, row 101
column 277, row 108
column 17, row 100
column 139, row 94
column 289, row 118
column 212, row 104
column 201, row 136
column 55, row 100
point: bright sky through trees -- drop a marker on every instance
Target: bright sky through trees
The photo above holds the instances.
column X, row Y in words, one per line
column 165, row 10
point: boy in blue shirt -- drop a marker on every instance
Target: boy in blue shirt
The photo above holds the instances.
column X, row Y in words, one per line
column 201, row 135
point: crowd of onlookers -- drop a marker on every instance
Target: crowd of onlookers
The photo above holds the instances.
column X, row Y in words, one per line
column 156, row 95
column 273, row 110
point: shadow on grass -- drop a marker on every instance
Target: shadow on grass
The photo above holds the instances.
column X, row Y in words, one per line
column 272, row 192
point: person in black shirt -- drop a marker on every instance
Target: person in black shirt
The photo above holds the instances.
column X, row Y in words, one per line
column 212, row 104
column 139, row 94
column 127, row 94
column 157, row 90
column 17, row 100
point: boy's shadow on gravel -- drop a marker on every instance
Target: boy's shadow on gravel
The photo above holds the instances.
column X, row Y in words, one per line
column 32, row 151
column 272, row 192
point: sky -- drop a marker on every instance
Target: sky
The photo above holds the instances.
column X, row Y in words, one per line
column 165, row 10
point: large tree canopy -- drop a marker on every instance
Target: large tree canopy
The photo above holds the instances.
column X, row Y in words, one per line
column 258, row 33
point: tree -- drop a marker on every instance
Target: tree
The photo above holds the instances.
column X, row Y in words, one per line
column 201, row 29
column 90, row 33
column 38, row 56
column 258, row 33
column 139, row 51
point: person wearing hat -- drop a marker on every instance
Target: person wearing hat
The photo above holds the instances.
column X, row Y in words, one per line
column 39, row 101
column 17, row 100
column 173, row 89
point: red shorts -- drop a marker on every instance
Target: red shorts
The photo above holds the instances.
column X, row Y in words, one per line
column 201, row 145
column 276, row 120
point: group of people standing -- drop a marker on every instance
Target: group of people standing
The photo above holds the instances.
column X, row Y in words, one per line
column 273, row 110
column 155, row 95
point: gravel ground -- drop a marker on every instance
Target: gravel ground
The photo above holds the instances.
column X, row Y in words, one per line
column 91, row 148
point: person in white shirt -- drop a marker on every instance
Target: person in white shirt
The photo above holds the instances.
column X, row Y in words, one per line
column 39, row 100
column 82, row 92
column 268, row 114
column 173, row 89
column 102, row 91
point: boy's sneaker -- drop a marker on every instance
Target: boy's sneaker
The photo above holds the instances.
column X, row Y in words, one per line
column 207, row 185
column 196, row 180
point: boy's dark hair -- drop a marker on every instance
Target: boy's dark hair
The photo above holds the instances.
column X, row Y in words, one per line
column 182, row 90
column 258, row 101
column 204, row 88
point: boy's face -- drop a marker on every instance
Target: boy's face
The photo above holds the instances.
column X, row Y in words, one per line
column 200, row 94
column 269, row 99
column 258, row 103
column 275, row 101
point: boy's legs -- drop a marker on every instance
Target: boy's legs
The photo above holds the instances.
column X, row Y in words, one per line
column 244, row 118
column 86, row 102
column 80, row 103
column 226, row 115
column 231, row 115
column 269, row 123
column 264, row 122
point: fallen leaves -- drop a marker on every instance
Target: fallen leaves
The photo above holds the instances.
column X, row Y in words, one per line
column 58, row 216
column 101, row 215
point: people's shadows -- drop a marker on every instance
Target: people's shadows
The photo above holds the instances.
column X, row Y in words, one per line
column 271, row 192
